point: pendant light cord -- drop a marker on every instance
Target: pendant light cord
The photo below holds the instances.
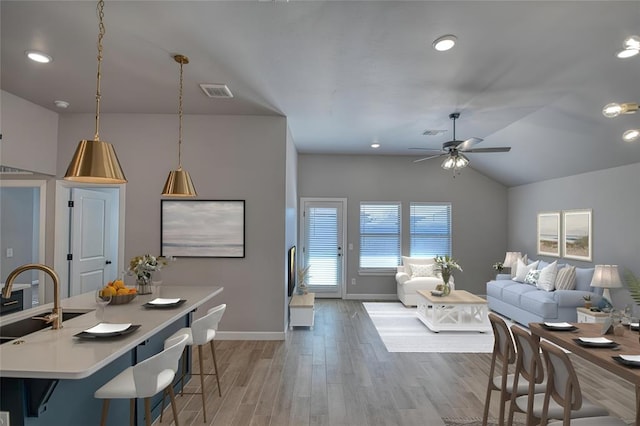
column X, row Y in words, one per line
column 100, row 12
column 180, row 119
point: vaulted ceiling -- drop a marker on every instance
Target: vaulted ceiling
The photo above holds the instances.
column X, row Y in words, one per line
column 533, row 75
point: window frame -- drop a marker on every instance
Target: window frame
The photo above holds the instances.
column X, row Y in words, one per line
column 413, row 234
column 386, row 270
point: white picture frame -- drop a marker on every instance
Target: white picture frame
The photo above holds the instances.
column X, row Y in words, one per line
column 548, row 241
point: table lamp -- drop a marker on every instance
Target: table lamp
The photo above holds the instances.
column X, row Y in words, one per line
column 606, row 276
column 511, row 258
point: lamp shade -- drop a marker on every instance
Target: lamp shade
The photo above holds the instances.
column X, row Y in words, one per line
column 179, row 184
column 606, row 276
column 511, row 258
column 95, row 161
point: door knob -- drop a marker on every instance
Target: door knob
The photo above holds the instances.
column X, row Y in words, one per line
column 108, row 262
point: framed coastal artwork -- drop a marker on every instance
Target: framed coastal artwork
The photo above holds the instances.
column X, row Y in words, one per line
column 549, row 234
column 202, row 228
column 577, row 237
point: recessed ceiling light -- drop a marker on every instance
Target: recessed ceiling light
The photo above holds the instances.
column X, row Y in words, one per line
column 36, row 56
column 631, row 135
column 375, row 145
column 61, row 104
column 631, row 47
column 444, row 43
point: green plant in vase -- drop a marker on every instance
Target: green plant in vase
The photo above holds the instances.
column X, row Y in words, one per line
column 303, row 274
column 445, row 265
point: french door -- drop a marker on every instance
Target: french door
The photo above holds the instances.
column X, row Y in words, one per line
column 323, row 242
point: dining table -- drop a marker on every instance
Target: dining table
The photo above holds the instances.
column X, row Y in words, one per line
column 626, row 344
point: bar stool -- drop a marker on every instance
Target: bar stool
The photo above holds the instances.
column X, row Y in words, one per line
column 564, row 388
column 201, row 332
column 144, row 380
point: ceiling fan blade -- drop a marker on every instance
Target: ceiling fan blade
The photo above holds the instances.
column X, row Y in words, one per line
column 497, row 149
column 429, row 158
column 428, row 149
column 464, row 146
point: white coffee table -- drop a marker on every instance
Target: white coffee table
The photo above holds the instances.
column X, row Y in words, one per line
column 459, row 311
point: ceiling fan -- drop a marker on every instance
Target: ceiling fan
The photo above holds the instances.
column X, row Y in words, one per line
column 454, row 149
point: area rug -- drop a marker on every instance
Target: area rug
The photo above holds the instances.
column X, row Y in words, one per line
column 402, row 331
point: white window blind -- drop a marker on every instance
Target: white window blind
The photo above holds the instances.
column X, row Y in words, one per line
column 379, row 235
column 321, row 235
column 430, row 228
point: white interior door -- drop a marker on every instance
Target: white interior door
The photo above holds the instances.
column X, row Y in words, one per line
column 323, row 241
column 92, row 258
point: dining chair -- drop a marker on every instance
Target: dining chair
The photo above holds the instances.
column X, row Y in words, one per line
column 201, row 332
column 563, row 388
column 144, row 380
column 530, row 368
column 504, row 353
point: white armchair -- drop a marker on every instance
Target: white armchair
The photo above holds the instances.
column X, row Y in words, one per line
column 417, row 274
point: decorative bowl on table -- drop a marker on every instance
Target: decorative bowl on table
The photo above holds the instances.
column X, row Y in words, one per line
column 121, row 299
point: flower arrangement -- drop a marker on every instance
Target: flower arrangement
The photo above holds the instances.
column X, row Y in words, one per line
column 446, row 265
column 498, row 266
column 143, row 266
column 302, row 279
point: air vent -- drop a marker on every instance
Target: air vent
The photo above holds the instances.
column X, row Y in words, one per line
column 216, row 90
column 6, row 170
column 430, row 132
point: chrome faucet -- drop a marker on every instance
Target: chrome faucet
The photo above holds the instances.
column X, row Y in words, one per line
column 55, row 317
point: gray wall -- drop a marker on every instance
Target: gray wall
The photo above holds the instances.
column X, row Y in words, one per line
column 614, row 197
column 479, row 209
column 229, row 157
column 18, row 228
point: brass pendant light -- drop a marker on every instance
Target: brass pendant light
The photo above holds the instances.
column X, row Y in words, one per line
column 179, row 182
column 95, row 161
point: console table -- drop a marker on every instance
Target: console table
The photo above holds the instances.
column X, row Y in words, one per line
column 301, row 309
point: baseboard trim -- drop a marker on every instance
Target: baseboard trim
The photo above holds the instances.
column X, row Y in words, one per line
column 352, row 296
column 250, row 335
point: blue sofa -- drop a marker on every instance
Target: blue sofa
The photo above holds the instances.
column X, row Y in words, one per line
column 525, row 303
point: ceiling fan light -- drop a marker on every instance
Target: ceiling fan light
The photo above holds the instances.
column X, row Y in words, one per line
column 631, row 135
column 444, row 43
column 632, row 42
column 461, row 162
column 449, row 163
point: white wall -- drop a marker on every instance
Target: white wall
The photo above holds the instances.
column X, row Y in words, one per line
column 614, row 197
column 229, row 158
column 478, row 209
column 29, row 135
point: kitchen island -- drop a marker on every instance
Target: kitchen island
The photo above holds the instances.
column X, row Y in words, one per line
column 49, row 377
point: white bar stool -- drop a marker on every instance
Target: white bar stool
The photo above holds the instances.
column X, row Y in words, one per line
column 201, row 332
column 144, row 380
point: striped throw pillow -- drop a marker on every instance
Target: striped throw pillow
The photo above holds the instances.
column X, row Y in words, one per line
column 566, row 278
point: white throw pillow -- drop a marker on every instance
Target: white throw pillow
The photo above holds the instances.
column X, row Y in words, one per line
column 547, row 278
column 566, row 278
column 522, row 269
column 514, row 268
column 532, row 277
column 418, row 270
column 408, row 261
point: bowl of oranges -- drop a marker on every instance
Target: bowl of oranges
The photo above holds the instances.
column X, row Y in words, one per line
column 120, row 294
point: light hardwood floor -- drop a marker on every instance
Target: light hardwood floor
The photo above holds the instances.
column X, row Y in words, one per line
column 340, row 373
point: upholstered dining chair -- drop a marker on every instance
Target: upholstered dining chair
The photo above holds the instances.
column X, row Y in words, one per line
column 201, row 332
column 504, row 353
column 144, row 380
column 563, row 388
column 529, row 367
column 533, row 403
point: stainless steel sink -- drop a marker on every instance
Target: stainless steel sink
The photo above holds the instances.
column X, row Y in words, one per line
column 20, row 328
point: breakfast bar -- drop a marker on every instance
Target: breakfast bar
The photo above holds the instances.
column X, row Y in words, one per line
column 49, row 377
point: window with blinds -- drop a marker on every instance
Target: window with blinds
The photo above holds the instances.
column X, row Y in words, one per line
column 430, row 229
column 320, row 246
column 380, row 235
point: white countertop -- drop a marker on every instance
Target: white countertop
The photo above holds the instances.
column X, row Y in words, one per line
column 16, row 286
column 56, row 354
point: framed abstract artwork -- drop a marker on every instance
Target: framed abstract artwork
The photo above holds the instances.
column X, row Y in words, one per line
column 549, row 234
column 202, row 228
column 577, row 230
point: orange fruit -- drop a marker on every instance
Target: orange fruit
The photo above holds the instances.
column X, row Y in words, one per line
column 122, row 291
column 133, row 291
column 109, row 291
column 118, row 283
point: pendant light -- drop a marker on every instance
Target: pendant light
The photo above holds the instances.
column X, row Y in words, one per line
column 95, row 161
column 179, row 182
